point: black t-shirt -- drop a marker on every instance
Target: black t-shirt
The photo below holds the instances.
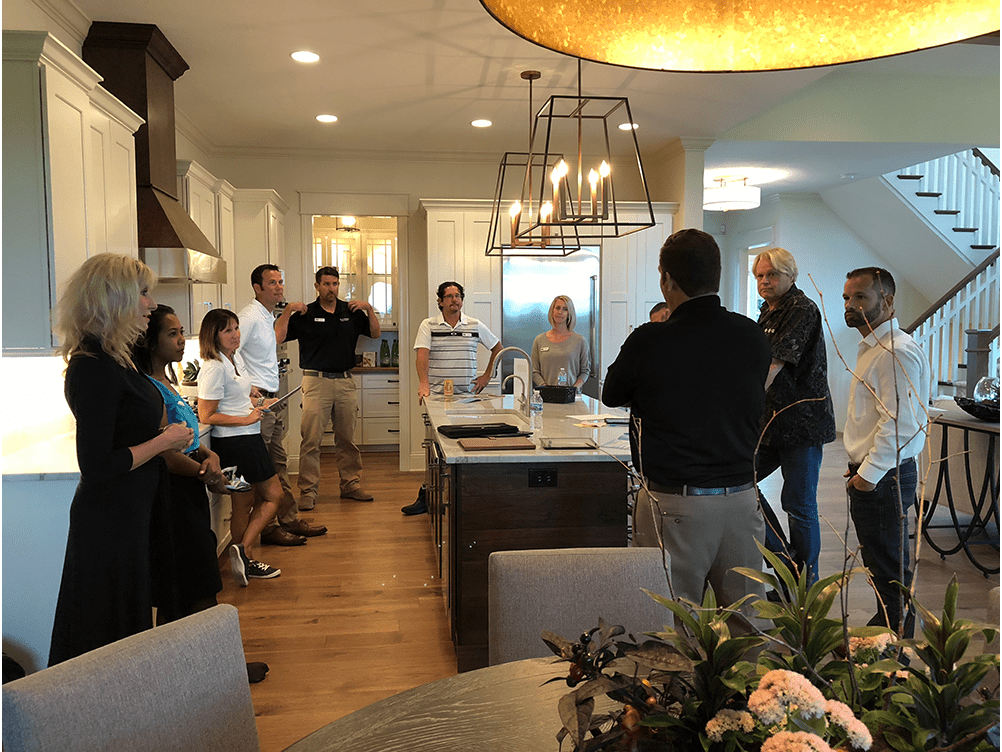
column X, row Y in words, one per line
column 327, row 340
column 695, row 385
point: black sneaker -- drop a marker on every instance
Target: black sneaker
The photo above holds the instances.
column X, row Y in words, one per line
column 239, row 564
column 258, row 570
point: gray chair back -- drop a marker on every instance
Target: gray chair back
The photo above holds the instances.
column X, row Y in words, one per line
column 182, row 686
column 566, row 590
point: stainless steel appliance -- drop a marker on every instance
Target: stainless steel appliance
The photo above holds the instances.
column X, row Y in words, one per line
column 528, row 286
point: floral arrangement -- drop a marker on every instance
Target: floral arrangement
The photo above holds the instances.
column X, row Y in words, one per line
column 809, row 683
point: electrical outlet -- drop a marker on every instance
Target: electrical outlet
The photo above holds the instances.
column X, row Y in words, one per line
column 542, row 477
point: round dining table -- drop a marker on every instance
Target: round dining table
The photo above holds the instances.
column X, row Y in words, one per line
column 505, row 707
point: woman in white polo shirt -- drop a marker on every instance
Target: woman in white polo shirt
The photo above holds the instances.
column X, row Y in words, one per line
column 224, row 402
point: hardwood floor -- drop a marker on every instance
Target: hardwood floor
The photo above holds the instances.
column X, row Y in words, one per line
column 357, row 614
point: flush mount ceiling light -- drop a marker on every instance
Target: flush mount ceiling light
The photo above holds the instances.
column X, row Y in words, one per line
column 482, row 123
column 305, row 56
column 566, row 193
column 327, row 118
column 733, row 194
column 740, row 35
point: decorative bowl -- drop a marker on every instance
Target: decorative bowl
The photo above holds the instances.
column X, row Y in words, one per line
column 987, row 410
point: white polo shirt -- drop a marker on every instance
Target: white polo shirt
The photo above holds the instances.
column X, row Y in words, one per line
column 452, row 351
column 230, row 383
column 258, row 345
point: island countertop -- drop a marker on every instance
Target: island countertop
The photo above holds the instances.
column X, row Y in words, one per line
column 559, row 421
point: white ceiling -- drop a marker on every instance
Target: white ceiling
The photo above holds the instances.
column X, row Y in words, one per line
column 405, row 78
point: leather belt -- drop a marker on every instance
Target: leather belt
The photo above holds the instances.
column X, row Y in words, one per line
column 697, row 491
column 266, row 393
column 328, row 374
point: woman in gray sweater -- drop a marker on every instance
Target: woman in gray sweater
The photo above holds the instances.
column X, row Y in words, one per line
column 560, row 347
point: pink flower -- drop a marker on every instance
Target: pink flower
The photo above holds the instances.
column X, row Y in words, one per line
column 795, row 741
column 841, row 715
column 781, row 692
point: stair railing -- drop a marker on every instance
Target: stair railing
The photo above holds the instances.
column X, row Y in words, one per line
column 972, row 304
column 967, row 183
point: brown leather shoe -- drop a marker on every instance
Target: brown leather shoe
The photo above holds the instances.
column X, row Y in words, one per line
column 279, row 537
column 357, row 494
column 304, row 528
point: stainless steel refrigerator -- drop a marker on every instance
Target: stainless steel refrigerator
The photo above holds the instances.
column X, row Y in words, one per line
column 529, row 285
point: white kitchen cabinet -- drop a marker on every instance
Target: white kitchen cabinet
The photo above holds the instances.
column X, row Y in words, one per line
column 457, row 238
column 259, row 236
column 225, row 233
column 630, row 280
column 69, row 180
column 197, row 194
column 377, row 421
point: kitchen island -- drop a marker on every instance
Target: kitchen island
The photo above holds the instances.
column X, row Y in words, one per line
column 500, row 500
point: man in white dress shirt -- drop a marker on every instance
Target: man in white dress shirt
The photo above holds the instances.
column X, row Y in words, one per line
column 260, row 332
column 884, row 431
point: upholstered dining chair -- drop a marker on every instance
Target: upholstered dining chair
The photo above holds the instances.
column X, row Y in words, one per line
column 566, row 590
column 180, row 687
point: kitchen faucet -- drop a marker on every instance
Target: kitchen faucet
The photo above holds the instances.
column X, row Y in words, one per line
column 524, row 403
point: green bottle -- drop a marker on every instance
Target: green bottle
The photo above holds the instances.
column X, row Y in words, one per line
column 395, row 359
column 384, row 354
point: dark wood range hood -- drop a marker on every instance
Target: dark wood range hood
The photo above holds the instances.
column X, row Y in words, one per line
column 140, row 67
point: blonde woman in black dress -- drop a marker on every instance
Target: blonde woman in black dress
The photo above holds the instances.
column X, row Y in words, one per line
column 112, row 576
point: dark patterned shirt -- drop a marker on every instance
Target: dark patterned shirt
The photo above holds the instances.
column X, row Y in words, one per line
column 796, row 336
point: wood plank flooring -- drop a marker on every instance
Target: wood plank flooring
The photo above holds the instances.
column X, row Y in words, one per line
column 357, row 615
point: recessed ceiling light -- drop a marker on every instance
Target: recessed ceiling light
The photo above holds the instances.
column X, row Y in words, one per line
column 481, row 123
column 628, row 126
column 327, row 118
column 305, row 56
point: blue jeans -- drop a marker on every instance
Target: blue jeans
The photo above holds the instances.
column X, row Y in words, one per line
column 882, row 529
column 801, row 466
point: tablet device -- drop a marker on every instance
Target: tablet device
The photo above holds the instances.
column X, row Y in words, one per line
column 567, row 442
column 282, row 399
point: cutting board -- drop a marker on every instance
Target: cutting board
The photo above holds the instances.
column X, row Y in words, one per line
column 493, row 443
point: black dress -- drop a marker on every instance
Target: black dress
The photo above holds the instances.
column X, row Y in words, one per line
column 108, row 587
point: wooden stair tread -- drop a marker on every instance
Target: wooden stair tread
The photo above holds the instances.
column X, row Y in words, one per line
column 965, row 229
column 988, row 247
column 910, row 177
column 928, row 194
column 946, row 211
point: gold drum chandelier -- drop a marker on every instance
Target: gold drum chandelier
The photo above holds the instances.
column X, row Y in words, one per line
column 742, row 35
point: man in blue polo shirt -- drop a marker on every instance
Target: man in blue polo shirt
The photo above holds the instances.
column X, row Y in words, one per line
column 327, row 334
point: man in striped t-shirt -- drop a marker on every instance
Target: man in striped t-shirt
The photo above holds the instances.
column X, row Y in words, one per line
column 446, row 346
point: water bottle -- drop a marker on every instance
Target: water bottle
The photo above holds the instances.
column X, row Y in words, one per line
column 536, row 410
column 562, row 379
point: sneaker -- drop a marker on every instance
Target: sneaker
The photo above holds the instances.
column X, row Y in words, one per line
column 239, row 564
column 235, row 482
column 258, row 570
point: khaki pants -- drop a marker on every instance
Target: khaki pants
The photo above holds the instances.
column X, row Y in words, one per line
column 274, row 427
column 323, row 400
column 706, row 536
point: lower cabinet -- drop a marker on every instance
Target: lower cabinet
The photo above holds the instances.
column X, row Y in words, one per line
column 377, row 422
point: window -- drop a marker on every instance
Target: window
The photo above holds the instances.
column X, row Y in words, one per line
column 364, row 251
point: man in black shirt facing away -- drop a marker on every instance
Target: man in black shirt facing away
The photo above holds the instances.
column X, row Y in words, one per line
column 695, row 385
column 327, row 334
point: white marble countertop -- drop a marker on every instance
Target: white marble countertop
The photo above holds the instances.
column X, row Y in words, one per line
column 47, row 452
column 559, row 421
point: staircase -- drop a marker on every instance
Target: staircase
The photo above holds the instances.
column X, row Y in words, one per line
column 958, row 195
column 960, row 331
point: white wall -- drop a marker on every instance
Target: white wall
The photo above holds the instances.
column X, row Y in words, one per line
column 825, row 249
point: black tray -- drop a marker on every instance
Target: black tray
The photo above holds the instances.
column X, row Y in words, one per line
column 470, row 430
column 558, row 394
column 988, row 411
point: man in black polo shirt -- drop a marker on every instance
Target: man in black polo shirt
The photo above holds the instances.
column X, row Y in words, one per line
column 695, row 386
column 327, row 334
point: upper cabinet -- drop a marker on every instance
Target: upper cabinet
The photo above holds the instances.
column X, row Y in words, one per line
column 259, row 236
column 69, row 180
